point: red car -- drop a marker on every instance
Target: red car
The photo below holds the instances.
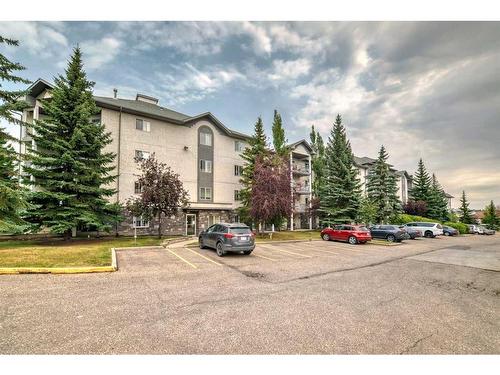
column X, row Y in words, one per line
column 350, row 233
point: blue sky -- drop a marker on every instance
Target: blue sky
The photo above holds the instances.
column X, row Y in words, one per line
column 425, row 90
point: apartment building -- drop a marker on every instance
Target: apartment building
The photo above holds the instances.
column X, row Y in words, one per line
column 203, row 151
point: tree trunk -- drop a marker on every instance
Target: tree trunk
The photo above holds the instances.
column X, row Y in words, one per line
column 159, row 225
column 67, row 235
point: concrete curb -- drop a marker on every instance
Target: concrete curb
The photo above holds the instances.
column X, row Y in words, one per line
column 62, row 270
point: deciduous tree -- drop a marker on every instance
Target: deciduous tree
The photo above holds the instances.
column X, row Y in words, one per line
column 162, row 195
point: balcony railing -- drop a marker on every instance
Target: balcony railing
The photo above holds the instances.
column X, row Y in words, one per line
column 301, row 189
column 300, row 170
column 300, row 207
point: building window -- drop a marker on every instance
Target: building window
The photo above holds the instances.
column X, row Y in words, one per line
column 141, row 155
column 206, row 166
column 205, row 138
column 140, row 222
column 137, row 187
column 140, row 124
column 236, row 219
column 205, row 194
column 237, row 195
column 213, row 219
column 239, row 146
column 238, row 170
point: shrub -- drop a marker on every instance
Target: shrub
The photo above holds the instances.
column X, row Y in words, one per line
column 405, row 218
column 461, row 227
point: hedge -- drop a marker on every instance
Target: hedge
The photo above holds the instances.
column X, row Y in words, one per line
column 461, row 227
column 405, row 218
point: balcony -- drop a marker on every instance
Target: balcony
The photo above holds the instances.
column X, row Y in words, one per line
column 300, row 171
column 300, row 208
column 301, row 188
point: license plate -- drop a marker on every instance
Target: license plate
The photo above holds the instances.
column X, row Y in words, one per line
column 243, row 238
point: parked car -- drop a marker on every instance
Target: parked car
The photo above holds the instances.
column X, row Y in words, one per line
column 473, row 229
column 450, row 231
column 486, row 231
column 225, row 237
column 351, row 233
column 391, row 233
column 430, row 230
column 412, row 232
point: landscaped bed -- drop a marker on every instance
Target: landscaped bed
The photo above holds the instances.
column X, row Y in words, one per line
column 72, row 253
column 288, row 236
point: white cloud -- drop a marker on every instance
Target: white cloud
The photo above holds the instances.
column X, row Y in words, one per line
column 285, row 70
column 261, row 42
column 97, row 53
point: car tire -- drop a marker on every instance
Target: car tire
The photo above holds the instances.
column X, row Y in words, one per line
column 325, row 237
column 391, row 238
column 428, row 234
column 219, row 249
column 247, row 252
column 200, row 242
column 352, row 240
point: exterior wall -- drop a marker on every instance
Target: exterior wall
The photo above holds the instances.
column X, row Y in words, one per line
column 362, row 174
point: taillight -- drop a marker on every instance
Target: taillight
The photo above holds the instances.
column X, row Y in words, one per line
column 228, row 235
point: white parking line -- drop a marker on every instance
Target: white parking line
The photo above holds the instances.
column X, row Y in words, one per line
column 204, row 257
column 181, row 258
column 262, row 256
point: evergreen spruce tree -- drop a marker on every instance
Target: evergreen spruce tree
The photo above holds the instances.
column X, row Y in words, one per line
column 464, row 212
column 12, row 195
column 421, row 190
column 437, row 205
column 257, row 147
column 490, row 216
column 71, row 170
column 382, row 189
column 317, row 160
column 340, row 192
column 9, row 100
column 279, row 140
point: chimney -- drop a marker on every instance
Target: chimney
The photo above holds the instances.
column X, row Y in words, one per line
column 115, row 93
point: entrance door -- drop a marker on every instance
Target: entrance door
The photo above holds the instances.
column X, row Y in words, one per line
column 190, row 224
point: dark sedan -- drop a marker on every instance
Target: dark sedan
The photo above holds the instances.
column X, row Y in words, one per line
column 391, row 233
column 225, row 237
column 449, row 231
column 412, row 232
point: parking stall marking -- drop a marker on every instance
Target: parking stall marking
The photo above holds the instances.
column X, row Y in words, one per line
column 204, row 257
column 275, row 250
column 181, row 258
column 262, row 256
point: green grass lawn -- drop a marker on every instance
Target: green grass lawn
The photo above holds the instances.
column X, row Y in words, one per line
column 60, row 253
column 289, row 235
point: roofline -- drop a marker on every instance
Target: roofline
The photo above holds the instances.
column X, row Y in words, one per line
column 301, row 141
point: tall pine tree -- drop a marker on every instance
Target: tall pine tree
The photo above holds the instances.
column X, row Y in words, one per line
column 382, row 189
column 279, row 140
column 71, row 170
column 421, row 190
column 490, row 216
column 340, row 192
column 12, row 195
column 437, row 205
column 257, row 147
column 317, row 160
column 464, row 213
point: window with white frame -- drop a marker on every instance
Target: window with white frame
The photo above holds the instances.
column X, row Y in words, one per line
column 205, row 193
column 137, row 187
column 237, row 195
column 141, row 155
column 205, row 138
column 140, row 222
column 206, row 166
column 142, row 125
column 213, row 219
column 238, row 170
column 239, row 146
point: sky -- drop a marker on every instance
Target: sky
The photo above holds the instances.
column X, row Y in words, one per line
column 427, row 90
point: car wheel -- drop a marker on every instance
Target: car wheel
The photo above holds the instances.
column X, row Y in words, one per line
column 247, row 252
column 200, row 242
column 325, row 237
column 391, row 238
column 447, row 233
column 220, row 249
column 352, row 240
column 428, row 234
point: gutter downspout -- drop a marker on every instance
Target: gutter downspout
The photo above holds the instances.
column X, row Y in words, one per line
column 118, row 162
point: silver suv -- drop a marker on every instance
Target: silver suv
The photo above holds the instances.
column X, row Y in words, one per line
column 225, row 237
column 429, row 230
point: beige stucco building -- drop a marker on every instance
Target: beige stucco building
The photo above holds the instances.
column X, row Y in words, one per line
column 203, row 151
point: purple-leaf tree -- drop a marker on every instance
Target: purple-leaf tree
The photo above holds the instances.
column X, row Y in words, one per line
column 162, row 192
column 418, row 208
column 271, row 191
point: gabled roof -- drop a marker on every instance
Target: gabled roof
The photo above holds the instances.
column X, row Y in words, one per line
column 301, row 142
column 363, row 161
column 143, row 108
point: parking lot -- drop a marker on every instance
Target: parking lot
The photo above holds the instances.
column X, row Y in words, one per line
column 423, row 296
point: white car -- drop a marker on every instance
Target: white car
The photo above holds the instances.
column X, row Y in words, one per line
column 429, row 230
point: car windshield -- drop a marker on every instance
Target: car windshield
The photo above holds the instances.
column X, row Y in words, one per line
column 240, row 230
